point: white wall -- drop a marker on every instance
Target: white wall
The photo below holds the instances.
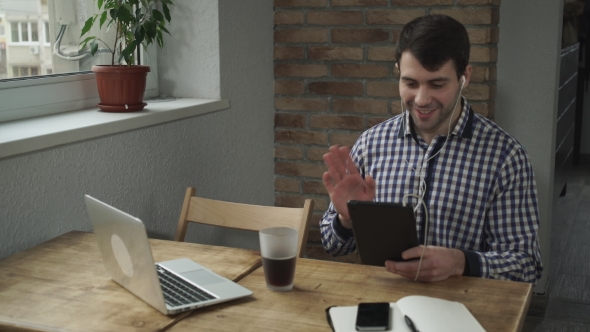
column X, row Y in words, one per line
column 226, row 155
column 527, row 91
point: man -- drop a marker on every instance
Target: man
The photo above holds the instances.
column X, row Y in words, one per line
column 474, row 178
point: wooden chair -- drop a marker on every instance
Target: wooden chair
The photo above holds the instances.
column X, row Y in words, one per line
column 243, row 216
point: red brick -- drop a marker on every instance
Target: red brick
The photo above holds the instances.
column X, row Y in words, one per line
column 301, row 35
column 358, row 3
column 483, row 74
column 289, row 200
column 478, row 2
column 344, row 139
column 386, row 53
column 336, row 122
column 375, row 121
column 471, row 15
column 401, row 16
column 289, row 17
column 335, row 53
column 300, row 70
column 287, row 184
column 483, row 54
column 396, row 107
column 315, row 154
column 395, row 34
column 407, row 3
column 290, row 120
column 335, row 17
column 314, row 236
column 359, row 70
column 301, row 104
column 289, row 87
column 289, row 53
column 314, row 187
column 477, row 92
column 483, row 35
column 346, row 35
column 288, row 152
column 482, row 108
column 300, row 3
column 336, row 88
column 301, row 137
column 293, row 168
column 383, row 89
column 364, row 106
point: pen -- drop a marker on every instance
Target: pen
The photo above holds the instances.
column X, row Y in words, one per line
column 410, row 324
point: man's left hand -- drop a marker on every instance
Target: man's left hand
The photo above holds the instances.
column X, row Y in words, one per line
column 438, row 263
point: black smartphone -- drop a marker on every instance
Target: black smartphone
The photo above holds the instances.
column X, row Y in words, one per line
column 373, row 316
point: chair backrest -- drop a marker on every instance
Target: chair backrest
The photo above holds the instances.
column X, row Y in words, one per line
column 243, row 216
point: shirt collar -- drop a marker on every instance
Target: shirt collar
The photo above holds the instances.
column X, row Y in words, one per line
column 463, row 128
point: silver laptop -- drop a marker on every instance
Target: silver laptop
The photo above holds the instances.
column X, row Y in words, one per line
column 171, row 286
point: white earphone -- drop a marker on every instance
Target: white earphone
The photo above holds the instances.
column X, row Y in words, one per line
column 423, row 181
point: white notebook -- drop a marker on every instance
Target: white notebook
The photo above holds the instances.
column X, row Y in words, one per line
column 429, row 314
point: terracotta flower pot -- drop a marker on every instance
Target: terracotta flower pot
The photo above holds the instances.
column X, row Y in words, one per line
column 121, row 88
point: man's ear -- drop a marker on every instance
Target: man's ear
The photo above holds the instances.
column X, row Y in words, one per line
column 467, row 75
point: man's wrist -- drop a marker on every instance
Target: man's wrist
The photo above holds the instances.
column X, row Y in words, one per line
column 344, row 224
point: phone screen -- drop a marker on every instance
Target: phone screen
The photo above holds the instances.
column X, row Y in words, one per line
column 373, row 316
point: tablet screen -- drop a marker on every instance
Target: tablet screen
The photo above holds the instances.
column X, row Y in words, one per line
column 382, row 231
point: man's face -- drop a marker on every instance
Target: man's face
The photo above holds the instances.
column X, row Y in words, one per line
column 430, row 96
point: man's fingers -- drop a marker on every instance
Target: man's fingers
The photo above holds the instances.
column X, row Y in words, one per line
column 328, row 182
column 332, row 171
column 414, row 252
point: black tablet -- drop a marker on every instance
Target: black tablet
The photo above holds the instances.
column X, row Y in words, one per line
column 382, row 231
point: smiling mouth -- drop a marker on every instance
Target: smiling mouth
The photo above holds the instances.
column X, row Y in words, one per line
column 428, row 111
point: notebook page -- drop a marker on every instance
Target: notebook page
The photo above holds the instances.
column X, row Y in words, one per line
column 430, row 314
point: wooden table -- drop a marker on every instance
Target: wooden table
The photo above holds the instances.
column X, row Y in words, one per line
column 62, row 285
column 498, row 305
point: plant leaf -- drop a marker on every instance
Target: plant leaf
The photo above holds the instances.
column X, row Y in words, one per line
column 157, row 15
column 139, row 33
column 103, row 18
column 129, row 49
column 84, row 42
column 159, row 39
column 166, row 12
column 164, row 29
column 93, row 47
column 87, row 25
column 99, row 4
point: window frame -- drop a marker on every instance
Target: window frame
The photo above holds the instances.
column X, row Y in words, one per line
column 30, row 40
column 57, row 93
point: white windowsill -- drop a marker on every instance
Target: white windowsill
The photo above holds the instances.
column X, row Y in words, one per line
column 39, row 133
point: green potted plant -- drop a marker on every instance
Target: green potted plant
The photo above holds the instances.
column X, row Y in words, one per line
column 121, row 84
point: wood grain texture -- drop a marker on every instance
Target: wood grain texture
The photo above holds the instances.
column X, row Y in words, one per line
column 62, row 285
column 498, row 305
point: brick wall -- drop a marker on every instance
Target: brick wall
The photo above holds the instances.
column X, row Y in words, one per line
column 335, row 77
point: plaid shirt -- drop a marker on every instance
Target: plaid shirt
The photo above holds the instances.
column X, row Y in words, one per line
column 480, row 192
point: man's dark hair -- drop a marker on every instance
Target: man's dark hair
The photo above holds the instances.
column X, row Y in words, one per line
column 434, row 40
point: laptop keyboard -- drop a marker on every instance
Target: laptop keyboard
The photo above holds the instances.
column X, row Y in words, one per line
column 179, row 292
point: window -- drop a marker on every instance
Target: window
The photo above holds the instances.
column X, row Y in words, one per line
column 24, row 71
column 24, row 32
column 37, row 81
column 46, row 33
